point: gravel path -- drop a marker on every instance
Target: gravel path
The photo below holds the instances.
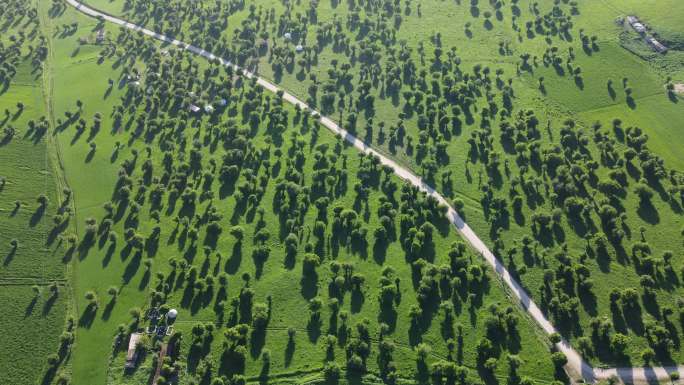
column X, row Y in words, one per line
column 576, row 364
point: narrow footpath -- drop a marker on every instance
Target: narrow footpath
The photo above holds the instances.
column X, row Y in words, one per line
column 576, row 364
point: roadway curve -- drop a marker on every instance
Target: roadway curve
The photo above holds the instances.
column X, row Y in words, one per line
column 576, row 363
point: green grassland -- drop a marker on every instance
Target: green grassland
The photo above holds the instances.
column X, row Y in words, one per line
column 663, row 122
column 93, row 177
column 34, row 294
column 28, row 175
column 636, row 96
column 31, row 327
column 521, row 155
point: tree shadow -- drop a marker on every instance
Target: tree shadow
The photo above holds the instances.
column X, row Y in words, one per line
column 132, row 267
column 309, row 284
column 47, row 306
column 10, row 256
column 357, row 300
column 257, row 341
column 37, row 216
column 31, row 305
column 648, row 212
column 88, row 316
column 631, row 102
column 107, row 312
column 289, row 352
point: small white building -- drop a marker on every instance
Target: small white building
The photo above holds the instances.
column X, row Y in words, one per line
column 299, row 48
column 639, row 27
column 287, row 36
column 208, row 108
column 194, row 108
column 658, row 46
column 171, row 315
column 132, row 354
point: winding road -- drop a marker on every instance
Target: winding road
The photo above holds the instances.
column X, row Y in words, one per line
column 576, row 364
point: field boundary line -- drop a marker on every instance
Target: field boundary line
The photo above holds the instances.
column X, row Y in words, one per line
column 56, row 164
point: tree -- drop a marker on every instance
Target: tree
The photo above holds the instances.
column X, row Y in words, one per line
column 266, row 356
column 311, row 261
column 490, row 364
column 559, row 359
column 237, row 232
column 555, row 338
column 423, row 350
column 291, row 242
column 644, row 192
column 113, row 291
column 331, row 372
column 63, row 378
column 619, row 343
column 43, row 200
column 91, row 297
column 647, row 355
column 53, row 360
column 135, row 312
column 54, row 289
column 260, row 316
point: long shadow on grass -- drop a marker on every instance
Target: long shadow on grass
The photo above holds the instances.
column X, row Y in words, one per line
column 47, row 306
column 88, row 316
column 648, row 212
column 107, row 312
column 37, row 215
column 29, row 308
column 132, row 267
column 10, row 256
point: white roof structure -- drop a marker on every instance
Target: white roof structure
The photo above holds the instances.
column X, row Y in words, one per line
column 299, row 48
column 132, row 353
column 208, row 108
column 172, row 314
column 287, row 36
column 658, row 46
column 194, row 108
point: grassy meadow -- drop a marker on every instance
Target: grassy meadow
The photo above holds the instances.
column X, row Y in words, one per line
column 34, row 293
column 93, row 177
column 293, row 259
